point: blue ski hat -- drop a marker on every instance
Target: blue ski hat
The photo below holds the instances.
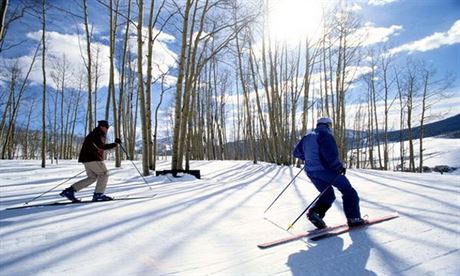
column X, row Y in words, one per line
column 324, row 120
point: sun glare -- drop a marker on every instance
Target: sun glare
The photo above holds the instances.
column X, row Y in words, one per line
column 292, row 21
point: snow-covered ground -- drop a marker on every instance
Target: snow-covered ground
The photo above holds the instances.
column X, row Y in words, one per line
column 212, row 226
column 437, row 151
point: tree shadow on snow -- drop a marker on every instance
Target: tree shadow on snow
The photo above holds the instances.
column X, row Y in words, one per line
column 208, row 195
column 329, row 257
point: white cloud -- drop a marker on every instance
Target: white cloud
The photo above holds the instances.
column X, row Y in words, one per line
column 58, row 45
column 93, row 29
column 74, row 49
column 170, row 80
column 372, row 35
column 163, row 57
column 354, row 7
column 380, row 2
column 434, row 41
column 354, row 72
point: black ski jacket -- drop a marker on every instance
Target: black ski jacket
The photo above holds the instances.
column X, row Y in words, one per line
column 94, row 146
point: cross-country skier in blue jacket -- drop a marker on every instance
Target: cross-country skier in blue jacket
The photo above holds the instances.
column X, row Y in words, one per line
column 322, row 165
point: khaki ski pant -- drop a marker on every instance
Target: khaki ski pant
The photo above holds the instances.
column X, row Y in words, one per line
column 96, row 171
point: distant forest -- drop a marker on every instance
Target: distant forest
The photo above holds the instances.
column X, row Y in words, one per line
column 448, row 128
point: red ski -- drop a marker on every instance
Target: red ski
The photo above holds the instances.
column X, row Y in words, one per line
column 345, row 228
column 319, row 234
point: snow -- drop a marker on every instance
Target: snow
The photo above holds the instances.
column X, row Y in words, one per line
column 212, row 226
column 437, row 151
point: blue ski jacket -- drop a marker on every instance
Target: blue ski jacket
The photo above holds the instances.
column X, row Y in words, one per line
column 319, row 150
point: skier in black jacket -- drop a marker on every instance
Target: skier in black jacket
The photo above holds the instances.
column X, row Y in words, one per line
column 92, row 157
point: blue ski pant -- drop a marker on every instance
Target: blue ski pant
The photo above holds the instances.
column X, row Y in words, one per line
column 322, row 179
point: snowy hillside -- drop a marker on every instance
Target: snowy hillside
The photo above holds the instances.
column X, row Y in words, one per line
column 440, row 151
column 212, row 226
column 437, row 151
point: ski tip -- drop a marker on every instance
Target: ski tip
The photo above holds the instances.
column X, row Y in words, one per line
column 393, row 215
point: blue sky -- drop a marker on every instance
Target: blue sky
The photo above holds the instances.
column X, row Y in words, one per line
column 429, row 29
column 412, row 29
column 419, row 20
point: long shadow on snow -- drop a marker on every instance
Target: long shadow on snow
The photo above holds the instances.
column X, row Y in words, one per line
column 225, row 178
column 126, row 226
column 416, row 214
column 329, row 257
column 111, row 188
column 83, row 210
column 22, row 168
column 85, row 240
column 406, row 191
column 431, row 222
column 53, row 195
column 436, row 186
column 80, row 237
column 211, row 222
column 38, row 182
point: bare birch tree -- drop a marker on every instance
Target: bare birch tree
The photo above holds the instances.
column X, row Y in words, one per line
column 176, row 159
column 140, row 90
column 113, row 14
column 3, row 9
column 88, row 64
column 43, row 144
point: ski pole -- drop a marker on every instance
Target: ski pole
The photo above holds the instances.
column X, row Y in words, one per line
column 123, row 148
column 27, row 202
column 314, row 200
column 284, row 190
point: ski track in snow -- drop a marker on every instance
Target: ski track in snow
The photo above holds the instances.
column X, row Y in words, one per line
column 212, row 226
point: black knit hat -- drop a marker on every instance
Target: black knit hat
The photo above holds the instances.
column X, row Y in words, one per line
column 103, row 123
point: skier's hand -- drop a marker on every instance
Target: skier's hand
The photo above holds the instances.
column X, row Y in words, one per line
column 117, row 140
column 342, row 171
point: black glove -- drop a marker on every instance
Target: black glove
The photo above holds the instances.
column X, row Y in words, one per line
column 342, row 171
column 117, row 140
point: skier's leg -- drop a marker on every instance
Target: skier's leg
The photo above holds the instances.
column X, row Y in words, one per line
column 350, row 197
column 102, row 176
column 325, row 201
column 88, row 180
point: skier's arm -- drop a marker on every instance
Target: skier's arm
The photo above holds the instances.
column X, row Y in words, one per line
column 298, row 151
column 329, row 151
column 110, row 146
column 99, row 143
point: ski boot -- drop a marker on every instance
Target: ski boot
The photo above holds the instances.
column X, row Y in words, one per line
column 316, row 219
column 69, row 193
column 353, row 222
column 101, row 197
